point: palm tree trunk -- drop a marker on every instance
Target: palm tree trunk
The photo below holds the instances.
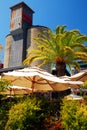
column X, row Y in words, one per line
column 60, row 69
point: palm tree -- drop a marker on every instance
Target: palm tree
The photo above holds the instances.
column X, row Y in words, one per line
column 61, row 47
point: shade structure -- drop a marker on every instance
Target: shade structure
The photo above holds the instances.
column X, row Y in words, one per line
column 18, row 90
column 81, row 76
column 36, row 78
column 72, row 83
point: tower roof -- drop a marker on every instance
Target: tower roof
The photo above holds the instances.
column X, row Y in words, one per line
column 21, row 4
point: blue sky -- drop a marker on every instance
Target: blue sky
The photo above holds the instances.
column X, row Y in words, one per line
column 50, row 13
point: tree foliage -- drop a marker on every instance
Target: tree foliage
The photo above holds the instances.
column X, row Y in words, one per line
column 61, row 46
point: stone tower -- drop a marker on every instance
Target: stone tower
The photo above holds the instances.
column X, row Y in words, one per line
column 16, row 41
column 22, row 32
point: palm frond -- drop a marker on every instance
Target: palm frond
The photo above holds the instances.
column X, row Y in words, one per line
column 81, row 39
column 60, row 29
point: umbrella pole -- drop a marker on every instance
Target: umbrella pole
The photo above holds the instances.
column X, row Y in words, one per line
column 32, row 87
column 10, row 93
column 33, row 81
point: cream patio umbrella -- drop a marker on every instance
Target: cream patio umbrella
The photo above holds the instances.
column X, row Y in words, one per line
column 81, row 76
column 11, row 90
column 38, row 79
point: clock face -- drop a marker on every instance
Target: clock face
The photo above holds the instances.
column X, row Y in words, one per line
column 16, row 19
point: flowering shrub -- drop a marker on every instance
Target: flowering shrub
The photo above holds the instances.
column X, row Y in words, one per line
column 74, row 115
column 4, row 84
column 24, row 115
